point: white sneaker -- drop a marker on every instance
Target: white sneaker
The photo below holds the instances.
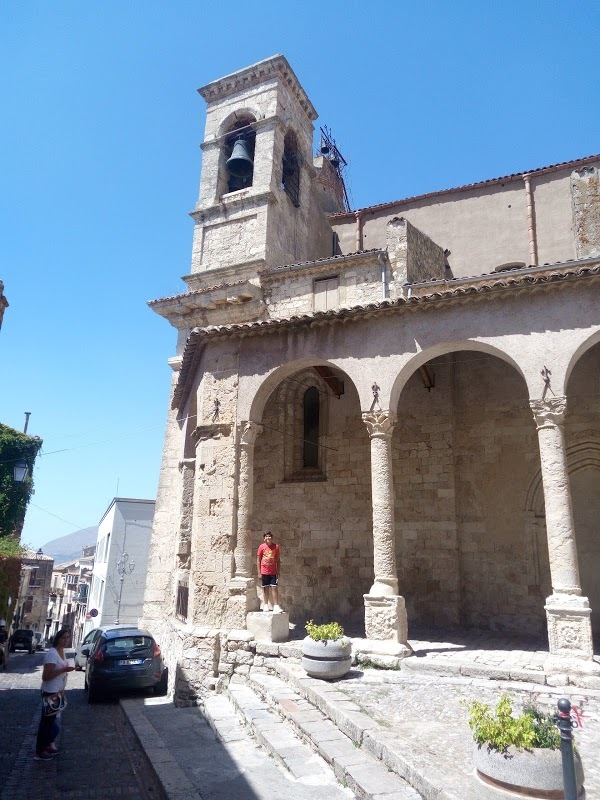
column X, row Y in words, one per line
column 277, row 609
column 266, row 607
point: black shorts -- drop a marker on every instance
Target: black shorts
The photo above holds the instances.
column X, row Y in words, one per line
column 269, row 580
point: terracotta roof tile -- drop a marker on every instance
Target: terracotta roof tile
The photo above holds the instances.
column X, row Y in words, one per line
column 467, row 186
column 497, row 281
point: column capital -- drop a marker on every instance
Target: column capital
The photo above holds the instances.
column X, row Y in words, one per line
column 379, row 423
column 549, row 413
column 248, row 432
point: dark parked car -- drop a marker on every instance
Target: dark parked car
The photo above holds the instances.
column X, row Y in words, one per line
column 122, row 659
column 87, row 645
column 24, row 639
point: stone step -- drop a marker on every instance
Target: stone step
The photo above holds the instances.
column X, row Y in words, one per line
column 293, row 731
column 213, row 755
column 417, row 771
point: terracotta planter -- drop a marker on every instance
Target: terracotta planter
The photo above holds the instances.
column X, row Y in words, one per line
column 327, row 659
column 533, row 773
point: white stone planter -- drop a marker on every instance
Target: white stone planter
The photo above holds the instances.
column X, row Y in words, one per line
column 327, row 659
column 533, row 773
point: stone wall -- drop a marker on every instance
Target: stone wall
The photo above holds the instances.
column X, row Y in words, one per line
column 413, row 255
column 585, row 189
column 293, row 292
column 464, row 455
column 322, row 525
column 213, row 532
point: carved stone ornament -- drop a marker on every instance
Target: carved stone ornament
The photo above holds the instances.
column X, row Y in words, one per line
column 550, row 412
column 385, row 618
column 248, row 433
column 379, row 423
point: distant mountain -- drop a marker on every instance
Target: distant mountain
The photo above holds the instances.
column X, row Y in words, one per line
column 69, row 547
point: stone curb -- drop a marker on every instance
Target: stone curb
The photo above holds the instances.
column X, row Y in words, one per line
column 174, row 782
column 367, row 775
column 369, row 735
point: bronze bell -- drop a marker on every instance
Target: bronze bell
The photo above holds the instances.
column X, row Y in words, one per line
column 239, row 162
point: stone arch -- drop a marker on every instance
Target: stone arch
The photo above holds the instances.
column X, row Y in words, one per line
column 231, row 121
column 592, row 340
column 322, row 516
column 239, row 124
column 443, row 348
column 582, row 439
column 265, row 389
column 584, row 455
column 462, row 455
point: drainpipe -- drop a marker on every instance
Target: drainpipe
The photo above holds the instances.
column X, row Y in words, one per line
column 533, row 256
column 358, row 217
column 383, row 276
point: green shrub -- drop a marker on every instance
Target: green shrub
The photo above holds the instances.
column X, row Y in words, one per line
column 321, row 633
column 499, row 729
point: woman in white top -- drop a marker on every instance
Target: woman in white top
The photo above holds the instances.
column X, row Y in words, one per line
column 54, row 681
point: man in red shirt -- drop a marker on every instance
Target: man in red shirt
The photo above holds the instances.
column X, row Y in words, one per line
column 268, row 565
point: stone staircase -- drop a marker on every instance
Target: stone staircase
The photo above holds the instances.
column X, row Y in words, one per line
column 303, row 740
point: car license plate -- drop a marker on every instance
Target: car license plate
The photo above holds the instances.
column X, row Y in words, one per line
column 129, row 661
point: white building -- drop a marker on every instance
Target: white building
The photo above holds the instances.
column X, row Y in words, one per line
column 119, row 576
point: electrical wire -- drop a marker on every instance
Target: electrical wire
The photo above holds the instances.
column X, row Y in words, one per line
column 31, row 503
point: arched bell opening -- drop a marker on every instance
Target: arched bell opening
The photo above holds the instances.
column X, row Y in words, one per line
column 463, row 450
column 312, row 489
column 290, row 168
column 236, row 170
column 582, row 438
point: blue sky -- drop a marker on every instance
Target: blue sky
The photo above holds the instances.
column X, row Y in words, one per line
column 100, row 165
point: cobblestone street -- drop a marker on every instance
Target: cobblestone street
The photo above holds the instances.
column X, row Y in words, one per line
column 99, row 757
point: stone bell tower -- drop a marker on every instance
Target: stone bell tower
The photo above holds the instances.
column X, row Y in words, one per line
column 270, row 215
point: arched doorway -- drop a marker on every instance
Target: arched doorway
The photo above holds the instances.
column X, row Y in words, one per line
column 465, row 448
column 312, row 489
column 582, row 433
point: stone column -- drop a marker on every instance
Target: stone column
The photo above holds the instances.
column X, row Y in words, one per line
column 385, row 610
column 568, row 613
column 242, row 597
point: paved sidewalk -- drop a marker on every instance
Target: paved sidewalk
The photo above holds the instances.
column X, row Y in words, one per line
column 222, row 761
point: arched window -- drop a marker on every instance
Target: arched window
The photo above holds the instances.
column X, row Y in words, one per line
column 310, row 455
column 290, row 170
column 241, row 131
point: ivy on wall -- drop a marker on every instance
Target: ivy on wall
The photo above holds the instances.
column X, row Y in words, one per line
column 14, row 497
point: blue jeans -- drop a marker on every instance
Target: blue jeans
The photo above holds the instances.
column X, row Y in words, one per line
column 47, row 732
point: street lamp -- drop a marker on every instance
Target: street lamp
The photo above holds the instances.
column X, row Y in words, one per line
column 20, row 470
column 124, row 567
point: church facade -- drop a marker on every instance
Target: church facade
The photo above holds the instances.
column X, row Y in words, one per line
column 407, row 396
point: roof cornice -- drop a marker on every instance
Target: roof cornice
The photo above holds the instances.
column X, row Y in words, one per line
column 275, row 67
column 502, row 284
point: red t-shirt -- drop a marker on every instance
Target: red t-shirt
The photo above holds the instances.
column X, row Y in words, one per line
column 268, row 556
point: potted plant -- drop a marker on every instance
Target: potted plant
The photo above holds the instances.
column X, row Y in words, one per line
column 519, row 753
column 326, row 652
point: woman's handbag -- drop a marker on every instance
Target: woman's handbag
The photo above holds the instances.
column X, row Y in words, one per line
column 53, row 703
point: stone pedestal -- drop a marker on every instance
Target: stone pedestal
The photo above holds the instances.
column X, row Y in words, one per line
column 242, row 599
column 269, row 627
column 570, row 641
column 385, row 620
